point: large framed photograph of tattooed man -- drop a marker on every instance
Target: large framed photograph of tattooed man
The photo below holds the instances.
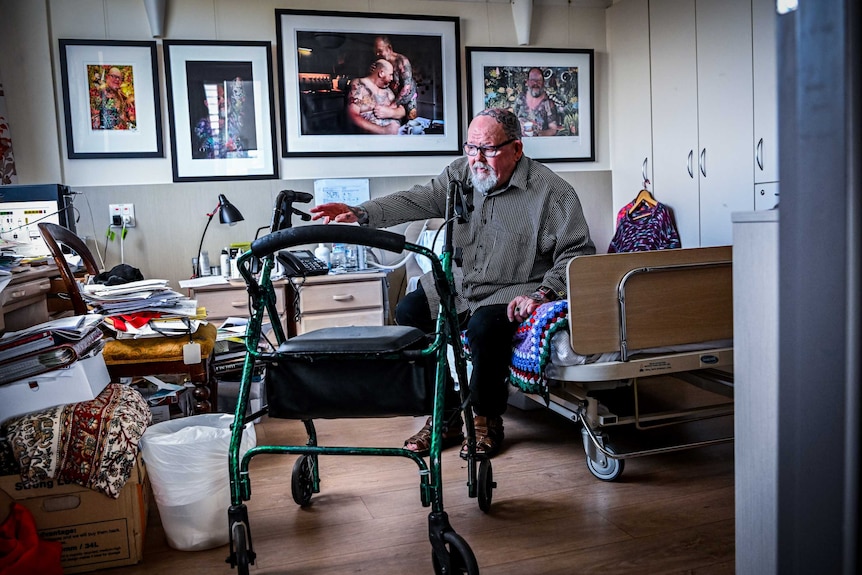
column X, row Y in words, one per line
column 221, row 111
column 368, row 84
column 111, row 99
column 550, row 90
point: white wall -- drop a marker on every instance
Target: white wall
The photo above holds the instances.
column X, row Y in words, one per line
column 172, row 216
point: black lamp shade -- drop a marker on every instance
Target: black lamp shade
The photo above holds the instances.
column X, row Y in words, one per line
column 228, row 214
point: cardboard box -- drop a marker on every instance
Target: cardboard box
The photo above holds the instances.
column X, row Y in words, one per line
column 97, row 532
column 81, row 381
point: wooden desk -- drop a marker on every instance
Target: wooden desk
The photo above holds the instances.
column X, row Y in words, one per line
column 24, row 302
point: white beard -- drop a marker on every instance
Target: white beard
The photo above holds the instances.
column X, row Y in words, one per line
column 483, row 184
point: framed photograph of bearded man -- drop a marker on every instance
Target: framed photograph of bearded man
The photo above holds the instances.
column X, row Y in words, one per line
column 367, row 84
column 111, row 99
column 550, row 90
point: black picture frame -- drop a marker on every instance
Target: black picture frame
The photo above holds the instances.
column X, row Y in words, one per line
column 497, row 78
column 221, row 110
column 321, row 56
column 111, row 99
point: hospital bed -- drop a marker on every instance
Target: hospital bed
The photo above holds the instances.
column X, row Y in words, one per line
column 635, row 327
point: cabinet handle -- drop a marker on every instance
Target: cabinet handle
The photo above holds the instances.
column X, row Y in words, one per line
column 343, row 297
column 690, row 158
column 17, row 294
column 644, row 170
column 238, row 304
column 759, row 155
column 703, row 162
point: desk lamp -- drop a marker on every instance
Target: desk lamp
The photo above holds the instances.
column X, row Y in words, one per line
column 227, row 214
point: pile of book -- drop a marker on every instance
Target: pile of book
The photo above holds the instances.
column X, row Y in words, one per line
column 145, row 308
column 48, row 346
column 228, row 362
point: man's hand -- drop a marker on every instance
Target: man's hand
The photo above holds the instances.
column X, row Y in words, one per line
column 334, row 212
column 521, row 308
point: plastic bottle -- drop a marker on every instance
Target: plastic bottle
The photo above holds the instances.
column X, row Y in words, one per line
column 204, row 262
column 321, row 252
column 337, row 256
column 224, row 261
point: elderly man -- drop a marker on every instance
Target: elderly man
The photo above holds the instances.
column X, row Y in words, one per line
column 536, row 112
column 366, row 94
column 526, row 225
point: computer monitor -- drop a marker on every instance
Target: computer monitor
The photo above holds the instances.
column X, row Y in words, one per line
column 22, row 207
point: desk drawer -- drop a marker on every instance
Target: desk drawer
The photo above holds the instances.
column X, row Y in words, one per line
column 320, row 320
column 341, row 297
column 24, row 291
column 231, row 302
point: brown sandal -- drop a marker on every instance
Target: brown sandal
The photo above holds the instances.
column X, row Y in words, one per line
column 489, row 436
column 452, row 435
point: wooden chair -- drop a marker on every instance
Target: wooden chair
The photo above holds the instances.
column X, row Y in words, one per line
column 139, row 357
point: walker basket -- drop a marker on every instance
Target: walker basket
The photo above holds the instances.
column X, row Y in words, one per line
column 351, row 372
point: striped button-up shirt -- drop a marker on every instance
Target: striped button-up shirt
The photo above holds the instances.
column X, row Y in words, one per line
column 519, row 237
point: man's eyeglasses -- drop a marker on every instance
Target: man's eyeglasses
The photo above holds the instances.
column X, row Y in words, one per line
column 115, row 76
column 487, row 151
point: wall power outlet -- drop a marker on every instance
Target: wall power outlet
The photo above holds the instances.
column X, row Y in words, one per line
column 120, row 213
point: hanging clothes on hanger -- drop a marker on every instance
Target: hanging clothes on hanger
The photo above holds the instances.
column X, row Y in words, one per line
column 644, row 224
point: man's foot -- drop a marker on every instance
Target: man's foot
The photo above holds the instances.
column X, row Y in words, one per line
column 489, row 436
column 420, row 442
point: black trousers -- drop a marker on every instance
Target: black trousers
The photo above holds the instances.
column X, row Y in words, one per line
column 489, row 333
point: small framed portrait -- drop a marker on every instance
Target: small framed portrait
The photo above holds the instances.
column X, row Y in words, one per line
column 111, row 99
column 550, row 90
column 368, row 84
column 220, row 106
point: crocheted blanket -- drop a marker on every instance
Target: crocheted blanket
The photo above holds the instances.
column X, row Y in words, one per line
column 91, row 443
column 532, row 346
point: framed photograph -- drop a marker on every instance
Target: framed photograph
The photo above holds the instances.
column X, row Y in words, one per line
column 368, row 84
column 550, row 90
column 220, row 106
column 111, row 99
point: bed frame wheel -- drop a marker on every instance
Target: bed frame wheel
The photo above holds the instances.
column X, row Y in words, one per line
column 599, row 464
column 606, row 468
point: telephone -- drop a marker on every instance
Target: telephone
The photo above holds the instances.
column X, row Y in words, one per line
column 301, row 263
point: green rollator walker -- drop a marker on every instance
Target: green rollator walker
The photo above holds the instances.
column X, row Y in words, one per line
column 393, row 371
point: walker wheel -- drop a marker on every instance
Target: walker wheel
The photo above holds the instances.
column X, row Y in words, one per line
column 461, row 558
column 610, row 470
column 240, row 544
column 302, row 480
column 486, row 485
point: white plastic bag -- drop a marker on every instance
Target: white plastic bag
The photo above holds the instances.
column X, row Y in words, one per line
column 187, row 463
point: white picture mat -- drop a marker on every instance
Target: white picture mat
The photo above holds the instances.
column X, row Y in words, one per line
column 578, row 147
column 258, row 164
column 84, row 138
column 447, row 143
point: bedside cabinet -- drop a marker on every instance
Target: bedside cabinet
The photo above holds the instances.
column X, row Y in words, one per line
column 339, row 300
column 231, row 300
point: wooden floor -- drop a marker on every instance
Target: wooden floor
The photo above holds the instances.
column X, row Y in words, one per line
column 670, row 513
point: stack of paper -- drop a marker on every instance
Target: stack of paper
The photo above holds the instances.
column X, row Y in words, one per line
column 146, row 308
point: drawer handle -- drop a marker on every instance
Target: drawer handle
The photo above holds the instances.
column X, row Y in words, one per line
column 238, row 304
column 344, row 297
column 18, row 293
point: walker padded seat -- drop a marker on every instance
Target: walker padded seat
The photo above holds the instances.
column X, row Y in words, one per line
column 351, row 372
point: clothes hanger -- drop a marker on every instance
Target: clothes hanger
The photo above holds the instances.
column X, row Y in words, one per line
column 644, row 199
